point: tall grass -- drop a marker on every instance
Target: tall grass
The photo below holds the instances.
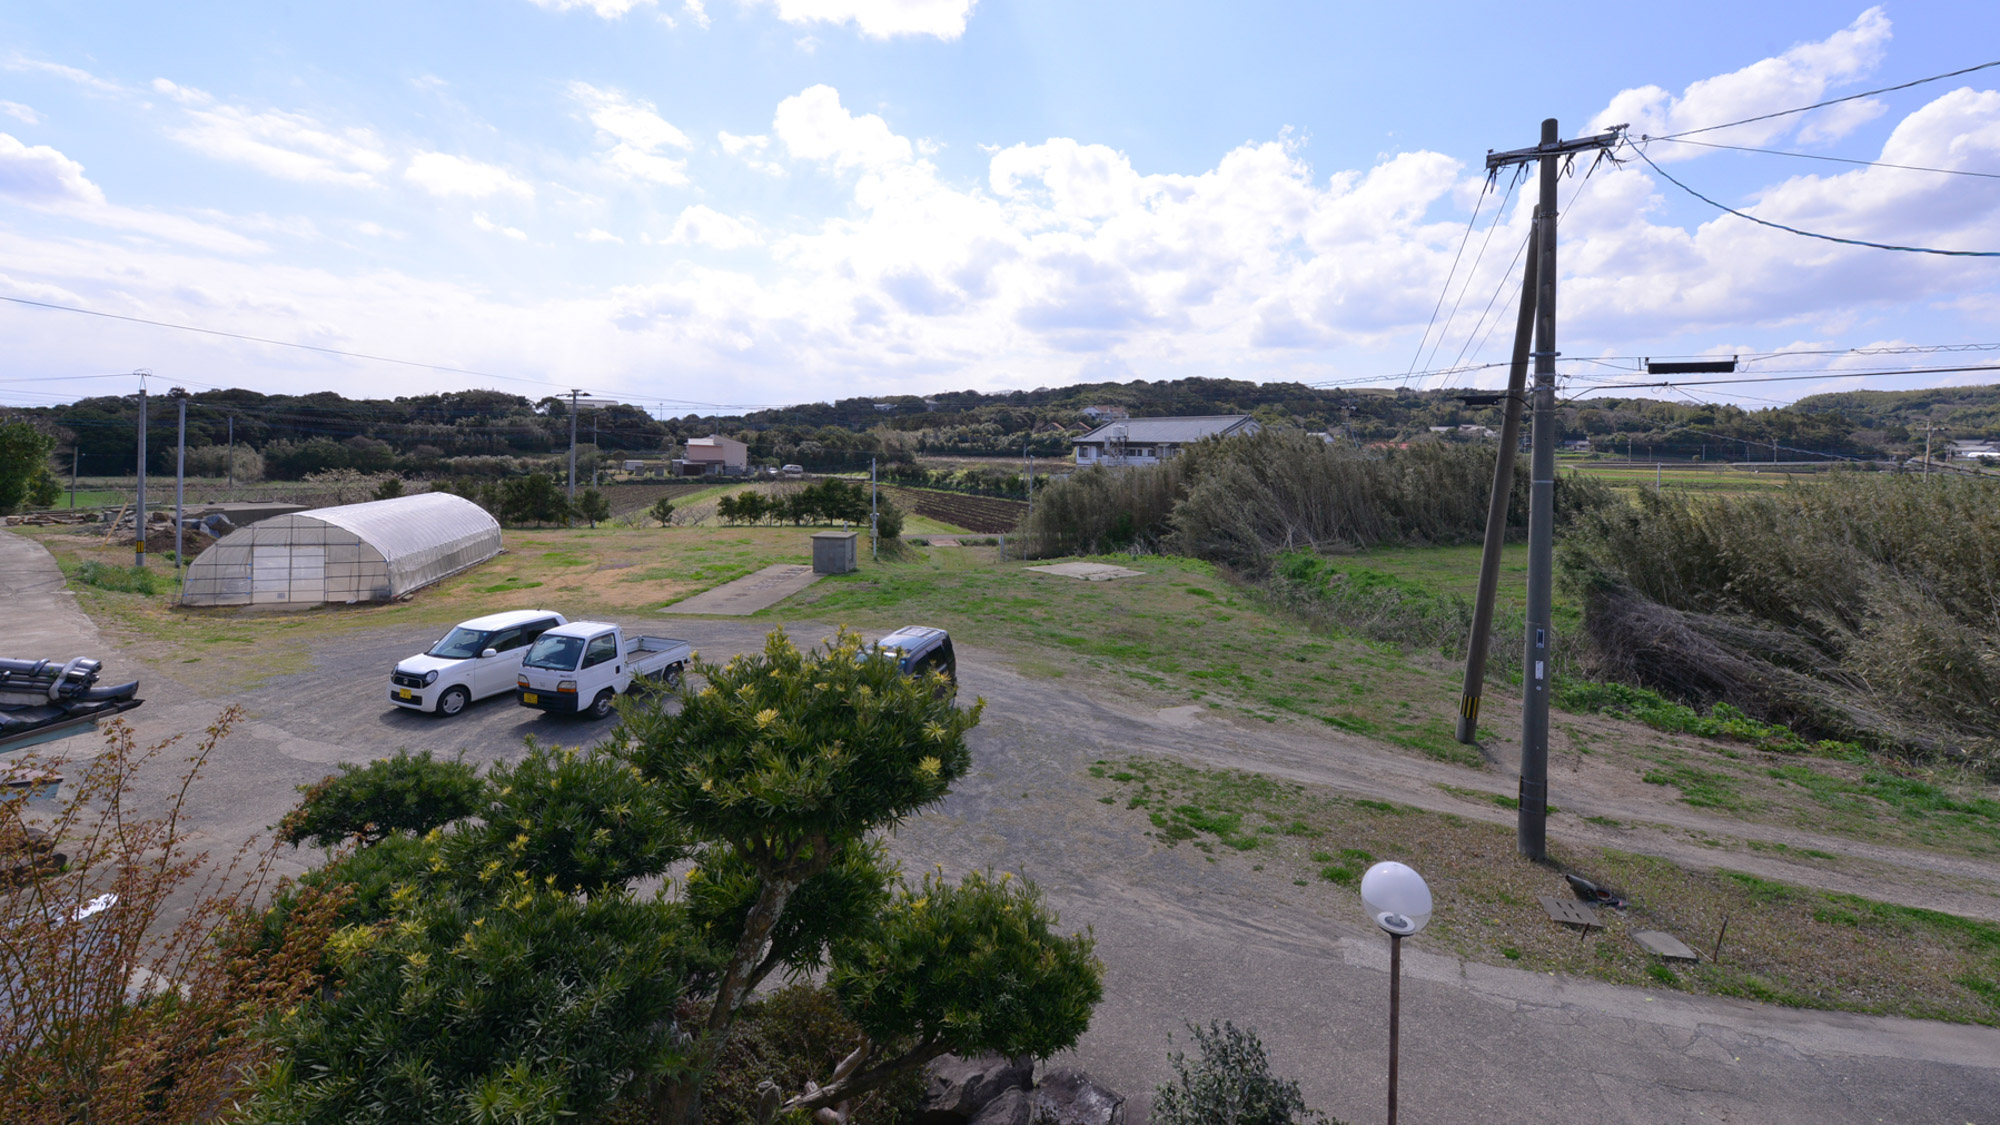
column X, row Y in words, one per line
column 1244, row 501
column 1851, row 606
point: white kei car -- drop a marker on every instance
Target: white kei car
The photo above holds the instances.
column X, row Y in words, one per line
column 478, row 658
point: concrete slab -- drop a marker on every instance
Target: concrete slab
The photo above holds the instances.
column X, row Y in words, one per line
column 1089, row 572
column 1569, row 912
column 750, row 593
column 1665, row 945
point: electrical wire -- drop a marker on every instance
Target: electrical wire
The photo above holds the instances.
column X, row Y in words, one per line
column 1446, row 287
column 1834, row 159
column 1807, row 233
column 1562, row 210
column 1828, row 102
column 1499, row 215
column 1819, row 375
column 356, row 355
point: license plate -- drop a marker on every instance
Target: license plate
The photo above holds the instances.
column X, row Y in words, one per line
column 530, row 697
column 405, row 693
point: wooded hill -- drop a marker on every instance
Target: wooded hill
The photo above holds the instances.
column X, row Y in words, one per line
column 492, row 433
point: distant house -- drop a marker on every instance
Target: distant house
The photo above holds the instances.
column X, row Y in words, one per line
column 713, row 455
column 1148, row 441
column 1577, row 445
column 1465, row 429
column 885, row 407
column 1976, row 450
column 1105, row 413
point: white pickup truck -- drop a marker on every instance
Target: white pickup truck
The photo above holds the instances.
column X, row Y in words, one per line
column 581, row 667
column 476, row 659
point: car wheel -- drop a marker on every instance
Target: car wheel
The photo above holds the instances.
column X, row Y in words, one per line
column 600, row 708
column 672, row 676
column 453, row 701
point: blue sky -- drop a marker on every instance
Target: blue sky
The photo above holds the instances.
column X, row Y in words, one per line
column 771, row 201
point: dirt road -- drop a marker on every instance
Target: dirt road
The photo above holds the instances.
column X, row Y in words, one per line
column 1183, row 939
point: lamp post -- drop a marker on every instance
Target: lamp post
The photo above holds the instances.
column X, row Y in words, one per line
column 1400, row 902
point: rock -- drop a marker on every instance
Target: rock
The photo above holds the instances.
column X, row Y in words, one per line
column 957, row 1089
column 1012, row 1107
column 1071, row 1097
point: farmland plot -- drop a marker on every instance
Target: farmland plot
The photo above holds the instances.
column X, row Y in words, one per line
column 989, row 515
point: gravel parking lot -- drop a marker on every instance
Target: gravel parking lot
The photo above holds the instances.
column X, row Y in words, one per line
column 1182, row 938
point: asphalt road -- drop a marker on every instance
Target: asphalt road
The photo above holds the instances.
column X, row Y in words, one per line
column 1182, row 939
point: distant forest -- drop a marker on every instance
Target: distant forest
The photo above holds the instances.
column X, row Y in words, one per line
column 490, row 433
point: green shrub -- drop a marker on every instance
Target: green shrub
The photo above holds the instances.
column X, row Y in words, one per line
column 408, row 793
column 119, row 579
column 1230, row 1083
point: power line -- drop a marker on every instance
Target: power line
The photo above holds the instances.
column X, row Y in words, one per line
column 1834, row 159
column 1807, row 233
column 1828, row 102
column 1819, row 375
column 1499, row 214
column 357, row 355
column 1498, row 289
column 1446, row 287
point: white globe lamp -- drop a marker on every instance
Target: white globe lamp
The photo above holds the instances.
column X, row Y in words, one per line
column 1397, row 898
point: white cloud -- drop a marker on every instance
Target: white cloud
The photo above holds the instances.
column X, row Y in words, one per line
column 880, row 19
column 80, row 77
column 636, row 133
column 1062, row 260
column 696, row 12
column 446, row 176
column 41, row 176
column 480, row 220
column 750, row 150
column 1800, row 76
column 815, row 126
column 21, row 113
column 701, row 226
column 377, row 230
column 609, row 9
column 289, row 146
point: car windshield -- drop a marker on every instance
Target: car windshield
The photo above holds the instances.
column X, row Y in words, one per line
column 461, row 644
column 557, row 654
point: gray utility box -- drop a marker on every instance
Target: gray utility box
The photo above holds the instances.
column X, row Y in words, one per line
column 833, row 552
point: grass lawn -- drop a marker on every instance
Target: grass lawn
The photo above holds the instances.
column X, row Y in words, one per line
column 608, row 570
column 1784, row 944
column 1181, row 630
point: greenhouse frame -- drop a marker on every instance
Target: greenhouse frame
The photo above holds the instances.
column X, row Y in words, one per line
column 369, row 552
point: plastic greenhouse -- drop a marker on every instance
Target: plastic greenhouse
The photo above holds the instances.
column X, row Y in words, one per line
column 353, row 553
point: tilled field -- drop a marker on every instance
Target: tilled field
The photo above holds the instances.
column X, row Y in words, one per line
column 989, row 515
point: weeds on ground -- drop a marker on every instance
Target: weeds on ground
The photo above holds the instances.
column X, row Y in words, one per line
column 111, row 1007
column 1784, row 943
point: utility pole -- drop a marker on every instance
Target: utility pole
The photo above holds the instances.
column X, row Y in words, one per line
column 1928, row 427
column 139, row 509
column 1496, row 504
column 1028, row 460
column 75, row 456
column 874, row 532
column 1552, row 153
column 232, row 456
column 573, row 395
column 180, row 397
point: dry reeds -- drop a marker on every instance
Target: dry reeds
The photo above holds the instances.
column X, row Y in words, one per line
column 1863, row 607
column 125, row 995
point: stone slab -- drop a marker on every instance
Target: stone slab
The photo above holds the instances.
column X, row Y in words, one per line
column 749, row 593
column 1665, row 945
column 1569, row 912
column 1089, row 572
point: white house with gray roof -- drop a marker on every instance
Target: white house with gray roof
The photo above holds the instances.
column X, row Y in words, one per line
column 1148, row 441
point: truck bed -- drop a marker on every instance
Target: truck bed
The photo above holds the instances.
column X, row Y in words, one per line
column 646, row 656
